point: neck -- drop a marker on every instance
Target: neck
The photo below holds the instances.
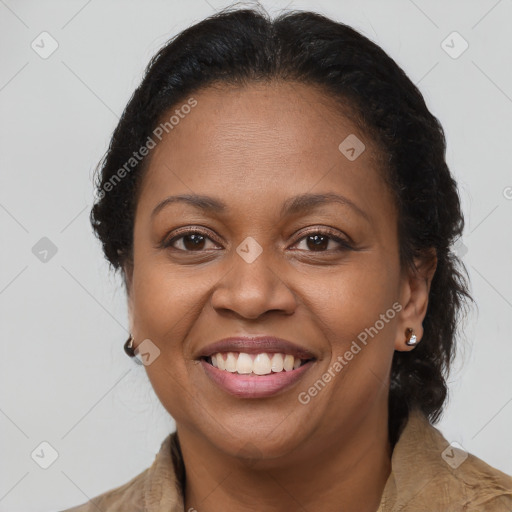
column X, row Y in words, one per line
column 346, row 474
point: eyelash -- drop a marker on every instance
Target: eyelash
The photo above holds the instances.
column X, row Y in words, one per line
column 345, row 245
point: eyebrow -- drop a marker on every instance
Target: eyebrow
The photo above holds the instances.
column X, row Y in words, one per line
column 300, row 203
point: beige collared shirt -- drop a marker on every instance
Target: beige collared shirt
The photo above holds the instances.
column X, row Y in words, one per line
column 427, row 475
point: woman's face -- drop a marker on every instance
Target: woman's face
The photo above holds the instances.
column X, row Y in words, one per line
column 252, row 270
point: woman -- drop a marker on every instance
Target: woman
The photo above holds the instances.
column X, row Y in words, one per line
column 277, row 200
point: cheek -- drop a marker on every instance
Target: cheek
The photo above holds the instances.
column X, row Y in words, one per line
column 164, row 301
column 354, row 300
column 165, row 306
column 358, row 319
column 358, row 311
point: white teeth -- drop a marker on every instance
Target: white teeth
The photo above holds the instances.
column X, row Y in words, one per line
column 258, row 364
column 277, row 363
column 244, row 363
column 288, row 362
column 261, row 365
column 231, row 362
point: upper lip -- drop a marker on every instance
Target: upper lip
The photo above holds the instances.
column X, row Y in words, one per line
column 256, row 345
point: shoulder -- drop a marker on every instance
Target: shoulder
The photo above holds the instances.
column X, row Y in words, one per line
column 427, row 471
column 480, row 486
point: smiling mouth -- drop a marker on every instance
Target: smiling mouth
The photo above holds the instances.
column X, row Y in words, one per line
column 264, row 363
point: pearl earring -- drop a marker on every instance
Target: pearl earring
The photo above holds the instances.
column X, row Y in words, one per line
column 410, row 337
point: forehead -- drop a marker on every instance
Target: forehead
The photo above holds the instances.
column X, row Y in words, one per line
column 240, row 140
column 287, row 118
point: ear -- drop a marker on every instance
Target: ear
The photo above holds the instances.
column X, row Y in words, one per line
column 414, row 294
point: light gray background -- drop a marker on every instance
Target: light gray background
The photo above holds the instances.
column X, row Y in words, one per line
column 64, row 376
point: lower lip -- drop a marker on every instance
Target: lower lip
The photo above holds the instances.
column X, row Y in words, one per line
column 254, row 386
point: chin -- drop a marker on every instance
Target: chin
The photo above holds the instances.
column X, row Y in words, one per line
column 257, row 444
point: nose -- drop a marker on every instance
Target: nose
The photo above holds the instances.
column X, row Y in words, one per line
column 251, row 289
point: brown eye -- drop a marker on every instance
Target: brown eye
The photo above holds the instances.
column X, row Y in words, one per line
column 191, row 241
column 318, row 241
